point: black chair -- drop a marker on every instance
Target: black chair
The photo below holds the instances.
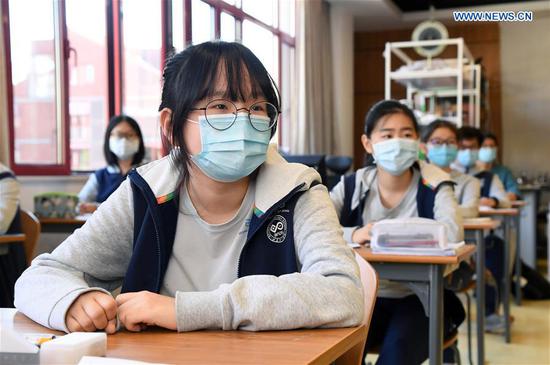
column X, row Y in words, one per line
column 315, row 161
column 338, row 165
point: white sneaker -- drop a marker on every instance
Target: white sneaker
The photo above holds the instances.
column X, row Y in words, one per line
column 494, row 323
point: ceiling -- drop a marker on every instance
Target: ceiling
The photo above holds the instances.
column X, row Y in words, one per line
column 420, row 5
column 372, row 15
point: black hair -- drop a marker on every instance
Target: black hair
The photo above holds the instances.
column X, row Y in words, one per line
column 428, row 130
column 190, row 76
column 378, row 111
column 110, row 157
column 468, row 132
column 490, row 135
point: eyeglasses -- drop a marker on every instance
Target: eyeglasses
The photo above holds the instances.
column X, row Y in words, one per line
column 261, row 115
column 124, row 135
column 439, row 142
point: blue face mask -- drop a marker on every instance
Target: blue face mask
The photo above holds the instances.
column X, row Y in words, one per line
column 442, row 155
column 467, row 158
column 396, row 155
column 487, row 154
column 234, row 153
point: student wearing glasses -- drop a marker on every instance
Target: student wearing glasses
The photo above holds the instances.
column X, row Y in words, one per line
column 123, row 149
column 222, row 233
column 441, row 140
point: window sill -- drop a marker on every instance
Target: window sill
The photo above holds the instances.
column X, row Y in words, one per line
column 38, row 178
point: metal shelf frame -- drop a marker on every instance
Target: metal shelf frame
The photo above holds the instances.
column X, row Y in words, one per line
column 465, row 71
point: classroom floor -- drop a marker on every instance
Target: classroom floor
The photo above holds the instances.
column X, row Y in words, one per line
column 530, row 338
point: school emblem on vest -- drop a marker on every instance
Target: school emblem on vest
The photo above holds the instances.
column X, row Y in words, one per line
column 276, row 229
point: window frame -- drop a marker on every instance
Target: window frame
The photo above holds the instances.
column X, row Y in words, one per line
column 240, row 15
column 61, row 45
column 114, row 59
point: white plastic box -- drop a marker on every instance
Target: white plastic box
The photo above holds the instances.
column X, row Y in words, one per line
column 69, row 349
column 410, row 233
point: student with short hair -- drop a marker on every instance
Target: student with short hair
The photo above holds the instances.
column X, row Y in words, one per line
column 123, row 149
column 394, row 184
column 222, row 233
column 487, row 161
column 493, row 194
column 441, row 140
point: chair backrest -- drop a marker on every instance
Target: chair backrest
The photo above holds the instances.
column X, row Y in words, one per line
column 315, row 161
column 369, row 279
column 30, row 226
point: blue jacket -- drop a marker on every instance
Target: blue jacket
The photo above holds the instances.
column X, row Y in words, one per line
column 107, row 183
column 155, row 221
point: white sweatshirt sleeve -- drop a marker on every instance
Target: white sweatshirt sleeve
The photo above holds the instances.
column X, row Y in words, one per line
column 498, row 191
column 88, row 193
column 446, row 211
column 9, row 201
column 469, row 200
column 94, row 257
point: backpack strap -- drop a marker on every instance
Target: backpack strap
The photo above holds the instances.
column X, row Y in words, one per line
column 425, row 198
column 349, row 217
column 487, row 178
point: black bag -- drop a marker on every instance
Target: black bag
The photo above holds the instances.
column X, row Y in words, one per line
column 537, row 288
column 461, row 278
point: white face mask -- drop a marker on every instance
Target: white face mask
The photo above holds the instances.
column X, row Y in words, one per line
column 124, row 148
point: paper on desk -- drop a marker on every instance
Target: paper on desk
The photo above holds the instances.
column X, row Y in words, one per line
column 94, row 360
column 451, row 250
column 484, row 208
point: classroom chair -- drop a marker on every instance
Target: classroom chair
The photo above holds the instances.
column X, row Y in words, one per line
column 30, row 226
column 338, row 165
column 369, row 279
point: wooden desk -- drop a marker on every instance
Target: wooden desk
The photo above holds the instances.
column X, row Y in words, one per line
column 424, row 275
column 510, row 217
column 319, row 346
column 6, row 239
column 477, row 227
column 11, row 238
column 60, row 225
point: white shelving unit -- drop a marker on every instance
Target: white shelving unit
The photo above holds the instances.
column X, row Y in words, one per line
column 460, row 78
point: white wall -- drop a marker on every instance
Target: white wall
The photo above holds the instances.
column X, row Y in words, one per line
column 525, row 67
column 341, row 23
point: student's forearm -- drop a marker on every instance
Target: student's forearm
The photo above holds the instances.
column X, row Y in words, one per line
column 45, row 293
column 95, row 257
column 257, row 303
